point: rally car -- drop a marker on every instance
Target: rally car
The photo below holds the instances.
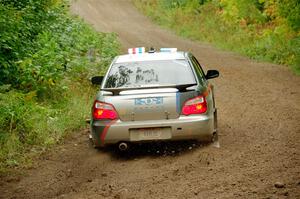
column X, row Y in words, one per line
column 153, row 96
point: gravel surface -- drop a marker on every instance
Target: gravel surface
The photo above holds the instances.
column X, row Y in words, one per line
column 259, row 124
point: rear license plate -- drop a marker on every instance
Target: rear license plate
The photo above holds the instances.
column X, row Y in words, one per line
column 150, row 134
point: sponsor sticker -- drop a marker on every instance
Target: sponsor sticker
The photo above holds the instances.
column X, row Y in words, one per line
column 149, row 101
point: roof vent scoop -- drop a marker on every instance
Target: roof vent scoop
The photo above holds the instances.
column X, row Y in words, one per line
column 151, row 50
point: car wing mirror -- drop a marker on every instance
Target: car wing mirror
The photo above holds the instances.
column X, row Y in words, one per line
column 97, row 80
column 212, row 74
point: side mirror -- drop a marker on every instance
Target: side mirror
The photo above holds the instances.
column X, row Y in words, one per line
column 97, row 80
column 212, row 74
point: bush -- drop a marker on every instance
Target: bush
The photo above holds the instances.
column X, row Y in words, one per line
column 261, row 29
column 46, row 58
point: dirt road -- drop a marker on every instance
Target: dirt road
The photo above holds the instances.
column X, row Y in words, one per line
column 259, row 123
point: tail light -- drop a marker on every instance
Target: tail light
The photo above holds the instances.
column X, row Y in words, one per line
column 195, row 105
column 103, row 110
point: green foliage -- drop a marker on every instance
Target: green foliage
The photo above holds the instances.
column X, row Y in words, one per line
column 290, row 10
column 261, row 29
column 46, row 58
column 38, row 40
column 236, row 10
column 26, row 124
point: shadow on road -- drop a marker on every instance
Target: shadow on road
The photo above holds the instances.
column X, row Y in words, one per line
column 157, row 149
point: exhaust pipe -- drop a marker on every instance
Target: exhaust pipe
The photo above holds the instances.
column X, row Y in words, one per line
column 123, row 146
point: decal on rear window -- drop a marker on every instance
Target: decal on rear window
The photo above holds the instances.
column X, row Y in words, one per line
column 147, row 73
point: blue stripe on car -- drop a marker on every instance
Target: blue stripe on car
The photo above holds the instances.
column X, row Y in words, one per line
column 178, row 102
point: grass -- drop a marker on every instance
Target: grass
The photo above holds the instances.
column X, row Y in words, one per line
column 45, row 92
column 274, row 41
column 34, row 127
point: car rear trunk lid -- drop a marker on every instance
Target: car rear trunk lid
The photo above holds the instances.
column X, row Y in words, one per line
column 146, row 104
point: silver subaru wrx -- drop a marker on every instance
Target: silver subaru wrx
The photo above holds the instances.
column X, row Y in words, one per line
column 154, row 96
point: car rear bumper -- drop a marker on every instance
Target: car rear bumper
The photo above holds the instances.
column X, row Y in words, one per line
column 199, row 127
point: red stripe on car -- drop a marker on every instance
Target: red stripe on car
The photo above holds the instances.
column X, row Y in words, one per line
column 103, row 135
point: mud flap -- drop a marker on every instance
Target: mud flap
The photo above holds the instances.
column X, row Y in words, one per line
column 91, row 141
column 215, row 137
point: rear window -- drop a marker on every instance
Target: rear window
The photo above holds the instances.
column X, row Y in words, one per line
column 150, row 73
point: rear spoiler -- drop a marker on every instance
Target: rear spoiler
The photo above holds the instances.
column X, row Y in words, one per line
column 116, row 91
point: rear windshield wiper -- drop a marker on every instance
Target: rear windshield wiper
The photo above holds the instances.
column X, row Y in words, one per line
column 116, row 91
